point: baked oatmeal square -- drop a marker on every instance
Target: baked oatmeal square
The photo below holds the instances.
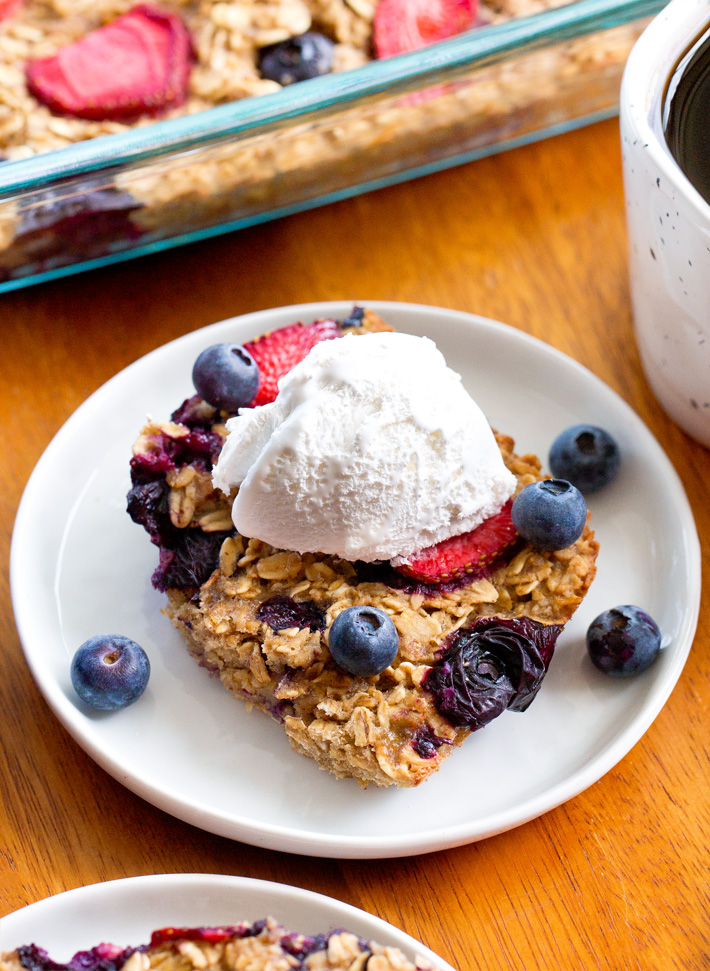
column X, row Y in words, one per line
column 259, row 617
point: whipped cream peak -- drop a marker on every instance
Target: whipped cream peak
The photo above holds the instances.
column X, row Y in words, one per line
column 373, row 450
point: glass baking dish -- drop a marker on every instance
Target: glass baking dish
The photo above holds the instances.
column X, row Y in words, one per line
column 176, row 181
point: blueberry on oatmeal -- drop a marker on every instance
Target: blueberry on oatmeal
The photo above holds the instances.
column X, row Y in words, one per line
column 226, row 376
column 297, row 59
column 363, row 641
column 550, row 514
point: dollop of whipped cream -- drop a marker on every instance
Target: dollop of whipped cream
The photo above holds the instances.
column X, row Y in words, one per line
column 372, row 450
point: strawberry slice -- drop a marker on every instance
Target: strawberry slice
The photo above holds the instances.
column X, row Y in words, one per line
column 138, row 64
column 9, row 7
column 469, row 554
column 277, row 351
column 407, row 25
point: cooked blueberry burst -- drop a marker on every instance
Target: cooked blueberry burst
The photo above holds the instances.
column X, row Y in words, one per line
column 79, row 218
column 492, row 665
column 281, row 613
column 187, row 556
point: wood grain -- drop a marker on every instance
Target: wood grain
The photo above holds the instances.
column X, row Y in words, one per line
column 616, row 878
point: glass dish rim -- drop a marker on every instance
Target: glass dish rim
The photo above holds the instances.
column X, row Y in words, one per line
column 188, row 132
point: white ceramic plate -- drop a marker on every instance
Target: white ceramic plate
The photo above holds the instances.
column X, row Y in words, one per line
column 80, row 567
column 125, row 912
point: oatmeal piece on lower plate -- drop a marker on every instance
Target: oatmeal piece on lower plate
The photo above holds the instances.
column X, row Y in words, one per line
column 264, row 945
column 471, row 643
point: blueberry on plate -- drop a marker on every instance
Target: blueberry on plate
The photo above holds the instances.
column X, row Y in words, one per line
column 623, row 641
column 550, row 514
column 110, row 671
column 226, row 376
column 585, row 455
column 297, row 59
column 363, row 641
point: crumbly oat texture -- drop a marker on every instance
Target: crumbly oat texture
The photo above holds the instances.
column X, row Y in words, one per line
column 370, row 729
column 227, row 37
column 263, row 946
column 365, row 728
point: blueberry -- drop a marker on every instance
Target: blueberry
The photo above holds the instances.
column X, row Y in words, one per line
column 63, row 221
column 226, row 376
column 280, row 612
column 550, row 514
column 110, row 671
column 188, row 558
column 623, row 641
column 297, row 59
column 585, row 455
column 494, row 664
column 363, row 641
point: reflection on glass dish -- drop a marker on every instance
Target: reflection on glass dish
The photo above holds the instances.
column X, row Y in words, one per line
column 214, row 163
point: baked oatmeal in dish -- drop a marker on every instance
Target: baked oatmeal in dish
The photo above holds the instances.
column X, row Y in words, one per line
column 374, row 597
column 63, row 81
column 264, row 945
column 54, row 88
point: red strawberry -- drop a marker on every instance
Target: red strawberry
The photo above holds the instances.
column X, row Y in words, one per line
column 469, row 554
column 9, row 7
column 211, row 935
column 138, row 64
column 407, row 25
column 280, row 350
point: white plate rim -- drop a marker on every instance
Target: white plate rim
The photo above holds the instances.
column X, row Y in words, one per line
column 331, row 912
column 373, row 846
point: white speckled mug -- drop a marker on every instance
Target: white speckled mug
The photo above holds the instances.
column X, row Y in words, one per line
column 669, row 226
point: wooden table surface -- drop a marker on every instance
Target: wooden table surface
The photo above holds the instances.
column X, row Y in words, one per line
column 617, row 877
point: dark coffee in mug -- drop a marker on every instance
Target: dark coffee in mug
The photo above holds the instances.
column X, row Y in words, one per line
column 686, row 114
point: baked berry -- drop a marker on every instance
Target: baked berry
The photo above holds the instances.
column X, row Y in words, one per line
column 138, row 64
column 8, row 7
column 472, row 554
column 188, row 557
column 297, row 59
column 550, row 514
column 280, row 350
column 77, row 219
column 426, row 742
column 226, row 376
column 494, row 664
column 110, row 671
column 407, row 25
column 281, row 612
column 585, row 455
column 623, row 641
column 103, row 957
column 363, row 641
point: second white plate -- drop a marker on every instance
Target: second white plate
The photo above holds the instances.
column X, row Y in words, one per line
column 126, row 912
column 80, row 567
